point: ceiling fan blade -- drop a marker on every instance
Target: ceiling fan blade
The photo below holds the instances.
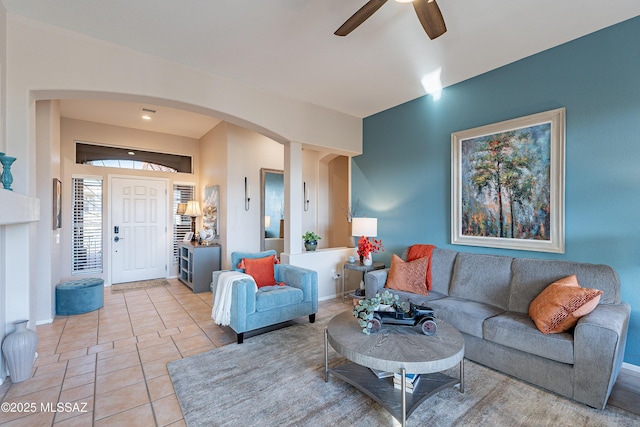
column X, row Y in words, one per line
column 359, row 17
column 430, row 17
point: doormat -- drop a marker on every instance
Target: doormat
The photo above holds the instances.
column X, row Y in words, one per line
column 142, row 284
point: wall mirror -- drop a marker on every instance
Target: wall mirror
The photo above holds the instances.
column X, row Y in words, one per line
column 272, row 210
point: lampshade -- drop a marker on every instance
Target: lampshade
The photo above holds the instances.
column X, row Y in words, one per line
column 182, row 208
column 267, row 221
column 193, row 209
column 364, row 227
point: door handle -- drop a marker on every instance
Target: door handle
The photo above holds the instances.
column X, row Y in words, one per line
column 117, row 239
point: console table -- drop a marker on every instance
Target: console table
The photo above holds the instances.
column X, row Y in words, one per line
column 196, row 263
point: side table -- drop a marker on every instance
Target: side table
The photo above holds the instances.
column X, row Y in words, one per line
column 356, row 266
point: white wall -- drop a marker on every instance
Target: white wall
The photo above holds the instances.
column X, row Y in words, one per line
column 248, row 152
column 44, row 63
column 48, row 252
column 325, row 262
column 213, row 171
column 72, row 130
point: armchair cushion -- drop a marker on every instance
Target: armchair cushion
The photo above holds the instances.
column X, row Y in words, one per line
column 270, row 297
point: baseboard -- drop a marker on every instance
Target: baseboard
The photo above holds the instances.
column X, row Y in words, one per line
column 629, row 366
column 44, row 322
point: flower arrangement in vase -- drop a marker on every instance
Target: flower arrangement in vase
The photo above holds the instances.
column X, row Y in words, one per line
column 366, row 247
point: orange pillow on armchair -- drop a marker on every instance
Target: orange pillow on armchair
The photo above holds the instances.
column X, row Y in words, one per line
column 261, row 269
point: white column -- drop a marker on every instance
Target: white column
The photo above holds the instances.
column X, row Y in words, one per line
column 293, row 198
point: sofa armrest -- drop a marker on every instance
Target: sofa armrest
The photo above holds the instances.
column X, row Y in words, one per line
column 599, row 342
column 374, row 282
column 300, row 278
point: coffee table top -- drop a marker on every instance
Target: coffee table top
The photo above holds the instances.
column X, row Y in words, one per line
column 394, row 347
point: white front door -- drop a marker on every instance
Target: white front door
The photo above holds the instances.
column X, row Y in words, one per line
column 138, row 229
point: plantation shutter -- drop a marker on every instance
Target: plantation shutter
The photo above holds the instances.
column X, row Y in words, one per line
column 87, row 226
column 181, row 223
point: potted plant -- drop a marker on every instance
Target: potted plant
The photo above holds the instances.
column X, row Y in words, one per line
column 310, row 240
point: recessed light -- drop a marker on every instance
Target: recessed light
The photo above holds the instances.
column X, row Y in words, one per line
column 131, row 153
column 147, row 113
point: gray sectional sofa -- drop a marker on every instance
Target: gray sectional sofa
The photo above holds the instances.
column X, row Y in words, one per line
column 487, row 298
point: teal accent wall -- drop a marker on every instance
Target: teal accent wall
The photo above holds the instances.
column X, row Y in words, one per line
column 404, row 176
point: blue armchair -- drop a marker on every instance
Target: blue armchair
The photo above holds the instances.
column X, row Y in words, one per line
column 271, row 304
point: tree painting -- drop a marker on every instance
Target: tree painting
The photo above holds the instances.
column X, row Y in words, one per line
column 506, row 184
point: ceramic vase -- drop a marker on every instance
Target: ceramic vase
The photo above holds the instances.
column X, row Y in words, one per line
column 7, row 177
column 19, row 350
column 310, row 245
column 368, row 260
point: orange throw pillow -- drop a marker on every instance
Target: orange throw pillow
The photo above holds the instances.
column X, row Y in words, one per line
column 561, row 304
column 408, row 276
column 420, row 251
column 261, row 269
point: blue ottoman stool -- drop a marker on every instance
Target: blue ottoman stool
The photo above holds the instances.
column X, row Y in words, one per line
column 79, row 296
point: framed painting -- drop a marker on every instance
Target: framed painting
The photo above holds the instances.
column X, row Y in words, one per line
column 210, row 217
column 507, row 184
column 57, row 204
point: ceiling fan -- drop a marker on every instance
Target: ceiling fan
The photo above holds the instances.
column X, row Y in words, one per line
column 427, row 10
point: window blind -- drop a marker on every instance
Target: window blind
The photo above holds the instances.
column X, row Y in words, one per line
column 181, row 223
column 87, row 226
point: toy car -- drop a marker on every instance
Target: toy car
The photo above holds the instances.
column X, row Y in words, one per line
column 417, row 315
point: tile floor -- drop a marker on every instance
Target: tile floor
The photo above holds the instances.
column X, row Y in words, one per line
column 110, row 366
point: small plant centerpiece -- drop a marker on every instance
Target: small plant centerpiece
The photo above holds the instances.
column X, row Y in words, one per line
column 310, row 240
column 363, row 311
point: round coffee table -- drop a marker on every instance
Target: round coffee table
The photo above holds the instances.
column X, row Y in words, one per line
column 398, row 349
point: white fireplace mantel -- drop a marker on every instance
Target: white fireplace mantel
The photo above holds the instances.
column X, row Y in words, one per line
column 17, row 208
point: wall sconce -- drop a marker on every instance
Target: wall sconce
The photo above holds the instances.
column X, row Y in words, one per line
column 247, row 194
column 305, row 192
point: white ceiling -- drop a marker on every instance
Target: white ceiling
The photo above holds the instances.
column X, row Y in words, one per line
column 164, row 120
column 287, row 47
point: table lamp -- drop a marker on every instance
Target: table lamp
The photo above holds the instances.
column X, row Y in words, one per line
column 193, row 210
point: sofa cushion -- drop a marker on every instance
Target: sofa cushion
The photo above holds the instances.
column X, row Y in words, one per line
column 466, row 316
column 482, row 278
column 561, row 304
column 408, row 276
column 270, row 297
column 442, row 262
column 532, row 276
column 517, row 330
column 422, row 251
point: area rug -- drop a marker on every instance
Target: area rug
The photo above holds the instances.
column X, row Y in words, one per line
column 142, row 284
column 277, row 379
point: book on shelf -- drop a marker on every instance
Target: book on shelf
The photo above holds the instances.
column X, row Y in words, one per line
column 410, row 377
column 381, row 374
column 410, row 385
